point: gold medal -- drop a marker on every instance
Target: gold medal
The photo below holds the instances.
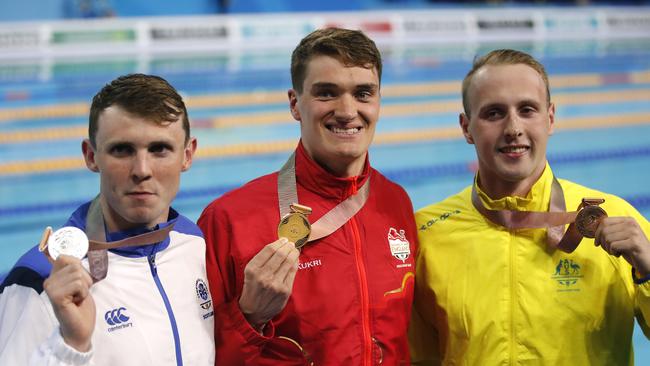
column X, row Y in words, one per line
column 295, row 226
column 590, row 216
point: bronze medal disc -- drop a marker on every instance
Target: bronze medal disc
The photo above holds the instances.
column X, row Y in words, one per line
column 296, row 228
column 588, row 219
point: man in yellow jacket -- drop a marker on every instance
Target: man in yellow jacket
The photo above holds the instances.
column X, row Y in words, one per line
column 494, row 285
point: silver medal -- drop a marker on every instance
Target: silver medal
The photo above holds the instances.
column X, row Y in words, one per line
column 68, row 240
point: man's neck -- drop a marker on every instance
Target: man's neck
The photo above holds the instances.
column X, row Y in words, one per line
column 497, row 188
column 344, row 169
column 500, row 189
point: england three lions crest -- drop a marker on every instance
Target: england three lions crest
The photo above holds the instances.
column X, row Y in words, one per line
column 399, row 246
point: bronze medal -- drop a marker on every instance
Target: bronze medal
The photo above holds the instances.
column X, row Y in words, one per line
column 295, row 226
column 588, row 219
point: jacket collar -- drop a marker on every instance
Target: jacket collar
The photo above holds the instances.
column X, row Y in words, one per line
column 142, row 250
column 537, row 199
column 315, row 178
column 78, row 219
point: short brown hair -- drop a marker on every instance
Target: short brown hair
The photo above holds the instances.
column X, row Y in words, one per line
column 504, row 57
column 147, row 96
column 350, row 47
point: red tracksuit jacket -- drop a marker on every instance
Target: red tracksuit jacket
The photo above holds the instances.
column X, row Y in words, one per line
column 352, row 295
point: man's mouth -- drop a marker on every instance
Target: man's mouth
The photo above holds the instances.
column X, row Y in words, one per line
column 139, row 194
column 344, row 131
column 514, row 149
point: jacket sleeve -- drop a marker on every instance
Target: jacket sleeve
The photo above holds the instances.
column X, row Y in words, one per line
column 642, row 290
column 236, row 342
column 235, row 339
column 27, row 322
column 424, row 342
column 55, row 352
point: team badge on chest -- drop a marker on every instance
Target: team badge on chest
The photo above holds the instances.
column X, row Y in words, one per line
column 399, row 245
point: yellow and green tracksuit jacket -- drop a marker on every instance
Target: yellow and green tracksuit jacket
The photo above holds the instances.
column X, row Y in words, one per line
column 486, row 295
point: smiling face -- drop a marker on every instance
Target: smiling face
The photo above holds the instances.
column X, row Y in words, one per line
column 338, row 110
column 139, row 162
column 509, row 122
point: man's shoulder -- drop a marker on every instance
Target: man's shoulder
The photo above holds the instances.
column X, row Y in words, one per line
column 186, row 226
column 386, row 184
column 455, row 202
column 575, row 192
column 33, row 268
column 30, row 271
column 247, row 196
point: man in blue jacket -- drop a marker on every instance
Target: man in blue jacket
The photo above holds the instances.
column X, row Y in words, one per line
column 140, row 295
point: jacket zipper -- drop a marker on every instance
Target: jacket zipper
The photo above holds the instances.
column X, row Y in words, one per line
column 365, row 303
column 168, row 306
column 513, row 294
column 365, row 312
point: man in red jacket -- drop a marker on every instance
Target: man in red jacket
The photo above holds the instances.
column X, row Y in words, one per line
column 345, row 297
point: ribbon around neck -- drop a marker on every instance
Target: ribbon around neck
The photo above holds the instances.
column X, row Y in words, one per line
column 332, row 220
column 554, row 219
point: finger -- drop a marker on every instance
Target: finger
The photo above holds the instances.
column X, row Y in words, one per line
column 279, row 258
column 290, row 264
column 621, row 247
column 611, row 220
column 261, row 258
column 291, row 276
column 64, row 260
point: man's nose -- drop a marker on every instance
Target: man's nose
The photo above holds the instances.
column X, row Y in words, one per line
column 513, row 127
column 346, row 108
column 141, row 168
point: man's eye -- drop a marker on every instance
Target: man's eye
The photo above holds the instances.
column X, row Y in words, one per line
column 527, row 110
column 493, row 114
column 121, row 150
column 159, row 148
column 325, row 94
column 364, row 95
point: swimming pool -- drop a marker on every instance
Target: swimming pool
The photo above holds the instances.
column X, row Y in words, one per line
column 237, row 104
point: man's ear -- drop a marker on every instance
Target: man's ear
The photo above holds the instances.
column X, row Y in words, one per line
column 293, row 104
column 464, row 125
column 188, row 154
column 551, row 118
column 89, row 155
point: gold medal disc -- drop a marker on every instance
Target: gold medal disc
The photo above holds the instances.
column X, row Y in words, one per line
column 588, row 219
column 295, row 227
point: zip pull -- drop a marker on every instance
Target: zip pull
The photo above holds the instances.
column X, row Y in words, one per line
column 152, row 264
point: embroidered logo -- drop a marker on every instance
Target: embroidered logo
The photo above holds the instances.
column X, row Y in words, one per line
column 567, row 274
column 399, row 246
column 117, row 319
column 203, row 294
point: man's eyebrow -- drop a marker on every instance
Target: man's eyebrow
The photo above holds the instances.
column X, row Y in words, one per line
column 529, row 102
column 163, row 142
column 371, row 86
column 324, row 84
column 491, row 105
column 111, row 144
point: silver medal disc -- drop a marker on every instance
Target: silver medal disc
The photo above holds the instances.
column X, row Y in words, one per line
column 68, row 240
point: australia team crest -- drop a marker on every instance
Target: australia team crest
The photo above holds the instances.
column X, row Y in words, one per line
column 400, row 247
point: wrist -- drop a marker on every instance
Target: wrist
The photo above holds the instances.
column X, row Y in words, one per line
column 256, row 324
column 80, row 346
